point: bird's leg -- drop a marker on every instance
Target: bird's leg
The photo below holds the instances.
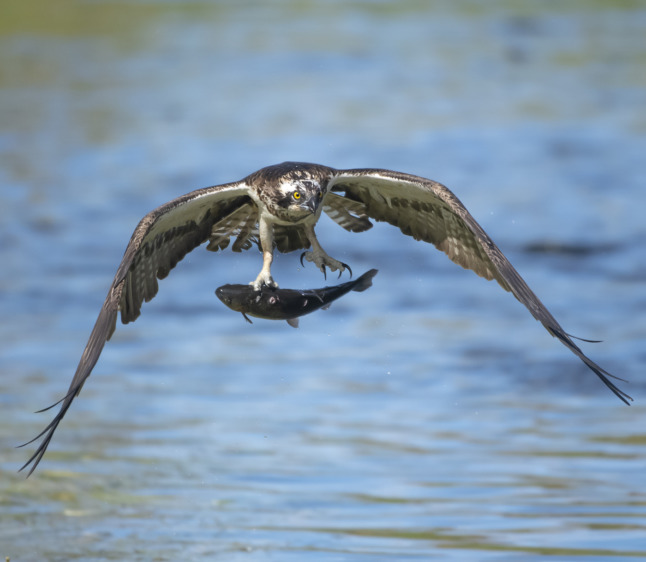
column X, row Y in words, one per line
column 318, row 256
column 267, row 245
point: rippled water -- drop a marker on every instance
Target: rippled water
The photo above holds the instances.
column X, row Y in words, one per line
column 427, row 418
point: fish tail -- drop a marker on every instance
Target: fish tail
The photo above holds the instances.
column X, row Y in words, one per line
column 365, row 281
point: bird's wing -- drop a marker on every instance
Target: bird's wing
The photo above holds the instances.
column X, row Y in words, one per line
column 429, row 211
column 288, row 238
column 244, row 225
column 241, row 223
column 348, row 214
column 162, row 238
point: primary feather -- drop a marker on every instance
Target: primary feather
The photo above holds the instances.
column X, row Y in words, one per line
column 278, row 207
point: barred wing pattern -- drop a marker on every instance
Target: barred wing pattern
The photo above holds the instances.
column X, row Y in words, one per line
column 162, row 238
column 428, row 211
column 347, row 213
column 421, row 208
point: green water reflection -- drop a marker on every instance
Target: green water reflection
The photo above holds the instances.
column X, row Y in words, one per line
column 428, row 417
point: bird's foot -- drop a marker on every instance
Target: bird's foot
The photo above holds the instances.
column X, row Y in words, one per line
column 264, row 279
column 322, row 260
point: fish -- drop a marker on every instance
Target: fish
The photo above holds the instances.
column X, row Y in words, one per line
column 286, row 304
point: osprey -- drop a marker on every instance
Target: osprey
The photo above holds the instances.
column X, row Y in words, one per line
column 278, row 207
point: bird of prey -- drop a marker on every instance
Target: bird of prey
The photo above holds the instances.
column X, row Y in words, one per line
column 278, row 207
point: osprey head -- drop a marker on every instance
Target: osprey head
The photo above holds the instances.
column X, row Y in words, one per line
column 291, row 191
column 299, row 197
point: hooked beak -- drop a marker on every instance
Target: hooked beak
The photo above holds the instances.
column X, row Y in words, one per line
column 313, row 202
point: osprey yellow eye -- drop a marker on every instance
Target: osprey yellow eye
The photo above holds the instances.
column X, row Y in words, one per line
column 296, row 195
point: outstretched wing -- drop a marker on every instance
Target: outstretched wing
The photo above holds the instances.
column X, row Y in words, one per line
column 162, row 238
column 428, row 211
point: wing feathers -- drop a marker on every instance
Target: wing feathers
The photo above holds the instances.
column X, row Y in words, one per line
column 289, row 238
column 157, row 252
column 421, row 208
column 240, row 222
column 162, row 238
column 100, row 334
column 347, row 213
column 415, row 206
column 247, row 234
column 427, row 210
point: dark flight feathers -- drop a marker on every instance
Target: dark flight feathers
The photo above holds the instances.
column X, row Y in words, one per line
column 428, row 211
column 162, row 238
column 421, row 208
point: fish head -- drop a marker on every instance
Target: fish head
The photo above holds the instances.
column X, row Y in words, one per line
column 232, row 296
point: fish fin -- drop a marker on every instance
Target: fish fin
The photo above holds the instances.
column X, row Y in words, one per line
column 365, row 281
column 293, row 322
column 328, row 305
column 314, row 294
column 246, row 318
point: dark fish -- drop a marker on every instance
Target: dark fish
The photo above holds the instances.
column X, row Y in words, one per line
column 286, row 304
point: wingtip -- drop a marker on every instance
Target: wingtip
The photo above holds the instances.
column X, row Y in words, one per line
column 583, row 339
column 604, row 375
column 35, row 459
column 605, row 378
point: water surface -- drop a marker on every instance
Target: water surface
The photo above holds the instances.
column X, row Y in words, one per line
column 427, row 418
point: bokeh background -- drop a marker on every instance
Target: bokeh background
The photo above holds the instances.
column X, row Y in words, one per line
column 428, row 418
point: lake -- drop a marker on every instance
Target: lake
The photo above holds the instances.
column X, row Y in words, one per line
column 428, row 418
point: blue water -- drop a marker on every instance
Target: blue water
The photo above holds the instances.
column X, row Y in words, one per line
column 428, row 418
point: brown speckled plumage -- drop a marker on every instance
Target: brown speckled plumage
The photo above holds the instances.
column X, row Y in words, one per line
column 421, row 208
